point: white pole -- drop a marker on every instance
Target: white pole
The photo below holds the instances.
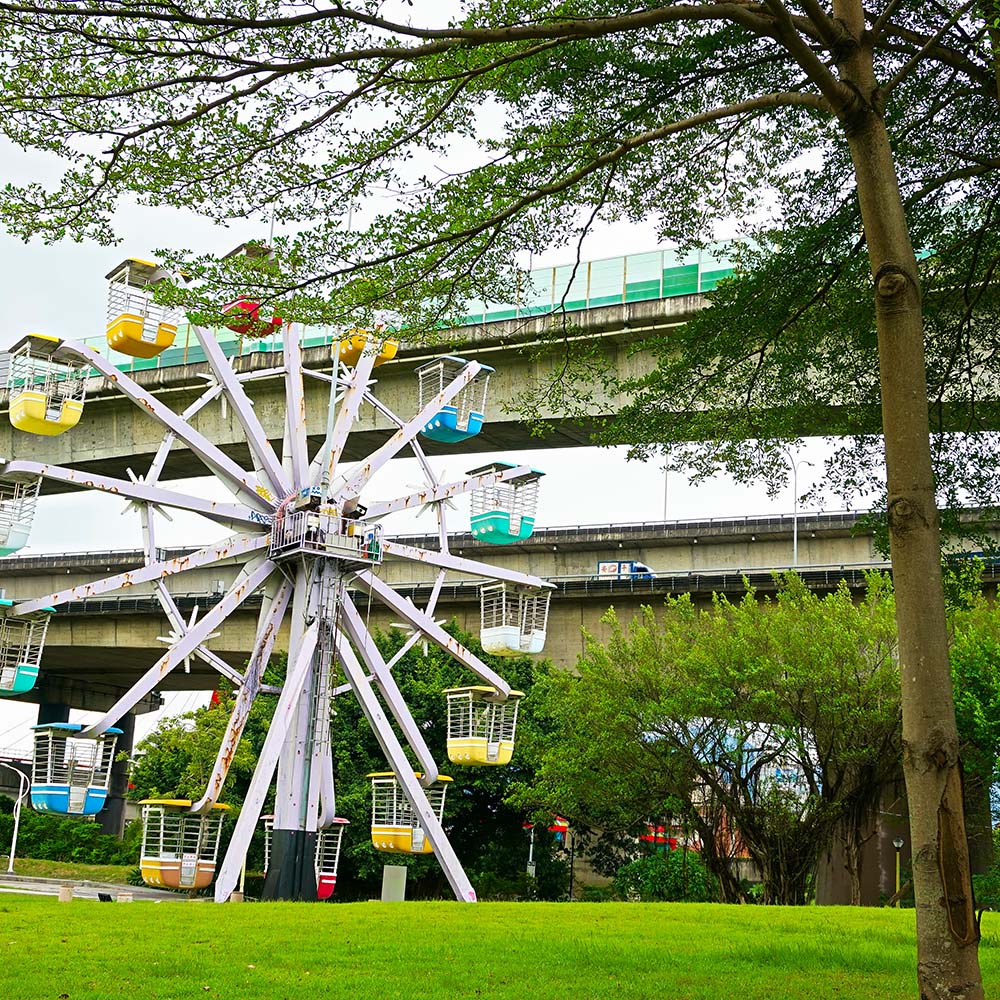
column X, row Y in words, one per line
column 795, row 501
column 795, row 513
column 22, row 791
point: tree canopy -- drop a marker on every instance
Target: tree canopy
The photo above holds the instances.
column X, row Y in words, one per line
column 763, row 725
column 690, row 713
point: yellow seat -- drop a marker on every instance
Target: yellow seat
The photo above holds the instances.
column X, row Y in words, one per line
column 177, row 873
column 352, row 347
column 399, row 840
column 125, row 334
column 28, row 413
column 474, row 750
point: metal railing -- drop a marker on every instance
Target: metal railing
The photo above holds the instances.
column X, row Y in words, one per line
column 108, row 557
column 638, row 277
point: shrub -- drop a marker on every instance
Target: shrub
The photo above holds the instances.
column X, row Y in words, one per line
column 668, row 877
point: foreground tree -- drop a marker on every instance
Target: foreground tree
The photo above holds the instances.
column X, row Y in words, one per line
column 599, row 106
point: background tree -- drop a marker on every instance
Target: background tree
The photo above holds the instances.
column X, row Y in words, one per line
column 975, row 664
column 763, row 725
column 876, row 118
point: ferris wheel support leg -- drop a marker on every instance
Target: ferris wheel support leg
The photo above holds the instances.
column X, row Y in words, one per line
column 292, row 872
column 389, row 690
column 246, row 824
column 403, row 770
column 263, row 644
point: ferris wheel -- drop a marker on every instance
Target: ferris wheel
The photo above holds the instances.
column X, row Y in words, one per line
column 309, row 535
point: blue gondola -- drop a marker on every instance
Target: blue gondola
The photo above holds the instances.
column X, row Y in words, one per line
column 461, row 418
column 70, row 773
column 22, row 639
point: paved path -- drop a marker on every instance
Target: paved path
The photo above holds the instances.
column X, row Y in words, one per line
column 82, row 888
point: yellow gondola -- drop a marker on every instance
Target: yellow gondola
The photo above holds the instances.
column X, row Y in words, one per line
column 46, row 386
column 351, row 348
column 396, row 828
column 481, row 725
column 179, row 848
column 137, row 325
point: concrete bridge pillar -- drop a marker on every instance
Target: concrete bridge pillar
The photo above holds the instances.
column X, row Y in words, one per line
column 112, row 816
column 52, row 711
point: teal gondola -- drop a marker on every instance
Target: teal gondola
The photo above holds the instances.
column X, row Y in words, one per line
column 504, row 513
column 70, row 773
column 22, row 639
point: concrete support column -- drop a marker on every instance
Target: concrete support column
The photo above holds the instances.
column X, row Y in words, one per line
column 112, row 816
column 52, row 711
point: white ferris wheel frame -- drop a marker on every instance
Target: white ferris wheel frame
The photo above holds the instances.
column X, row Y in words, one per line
column 297, row 743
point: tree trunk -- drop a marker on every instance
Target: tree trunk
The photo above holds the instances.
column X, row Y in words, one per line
column 947, row 933
column 852, row 861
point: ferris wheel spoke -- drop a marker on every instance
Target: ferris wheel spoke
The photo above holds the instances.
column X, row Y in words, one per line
column 462, row 565
column 396, row 756
column 444, row 491
column 162, row 453
column 186, row 645
column 393, row 697
column 249, row 689
column 351, row 485
column 284, row 712
column 410, row 613
column 295, row 450
column 347, row 412
column 223, row 513
column 238, row 479
column 180, row 627
column 236, row 545
column 257, row 440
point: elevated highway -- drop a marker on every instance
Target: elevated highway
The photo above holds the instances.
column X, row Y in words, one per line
column 114, row 434
column 98, row 645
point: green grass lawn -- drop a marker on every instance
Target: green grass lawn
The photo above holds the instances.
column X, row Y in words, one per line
column 492, row 951
column 67, row 869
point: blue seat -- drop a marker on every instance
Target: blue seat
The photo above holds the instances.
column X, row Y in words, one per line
column 69, row 773
column 445, row 427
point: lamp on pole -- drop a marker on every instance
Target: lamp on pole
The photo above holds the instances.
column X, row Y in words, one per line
column 22, row 791
column 898, row 844
column 795, row 463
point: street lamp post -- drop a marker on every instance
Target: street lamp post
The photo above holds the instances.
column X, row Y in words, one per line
column 898, row 844
column 795, row 463
column 22, row 791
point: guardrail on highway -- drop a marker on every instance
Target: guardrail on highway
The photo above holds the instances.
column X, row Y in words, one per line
column 118, row 556
column 722, row 580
